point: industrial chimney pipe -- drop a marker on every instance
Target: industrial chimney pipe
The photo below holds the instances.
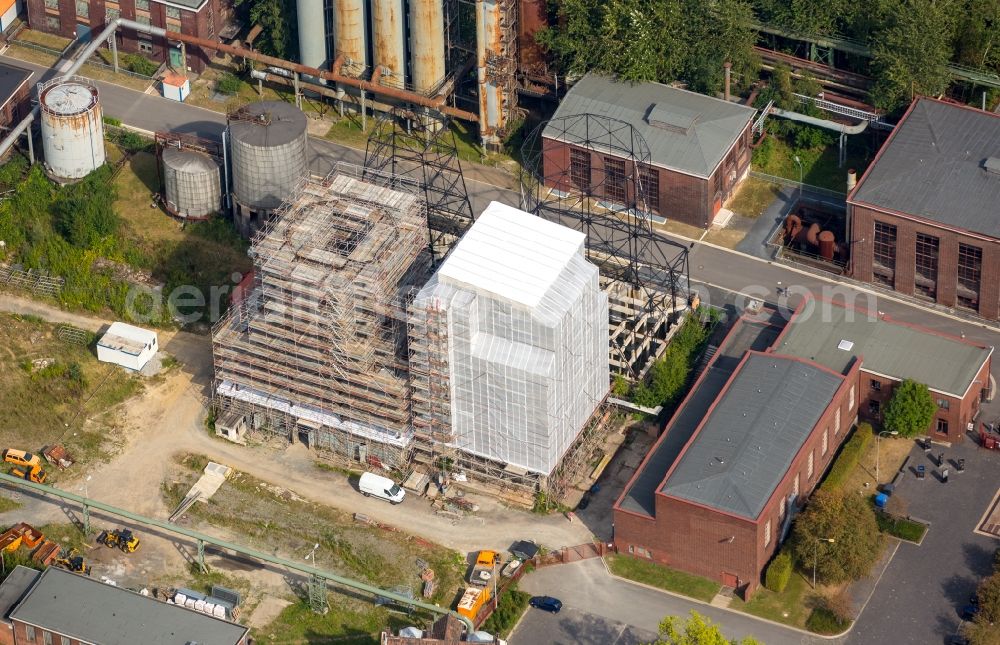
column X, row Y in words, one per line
column 729, row 72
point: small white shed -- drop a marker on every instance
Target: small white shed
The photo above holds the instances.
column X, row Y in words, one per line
column 126, row 345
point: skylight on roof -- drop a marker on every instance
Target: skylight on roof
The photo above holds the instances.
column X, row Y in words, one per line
column 846, row 345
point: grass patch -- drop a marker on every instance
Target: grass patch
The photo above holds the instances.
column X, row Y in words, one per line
column 46, row 405
column 344, row 624
column 820, row 167
column 512, row 605
column 788, row 607
column 663, row 577
column 900, row 527
column 51, row 41
column 95, row 72
column 753, row 197
column 7, row 504
column 69, row 536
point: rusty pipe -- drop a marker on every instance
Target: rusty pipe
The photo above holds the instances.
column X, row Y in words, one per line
column 437, row 102
column 377, row 75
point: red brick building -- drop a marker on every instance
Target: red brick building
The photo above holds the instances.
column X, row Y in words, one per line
column 924, row 217
column 699, row 147
column 15, row 94
column 86, row 18
column 716, row 493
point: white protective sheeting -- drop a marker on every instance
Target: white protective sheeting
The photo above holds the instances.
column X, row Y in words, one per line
column 527, row 338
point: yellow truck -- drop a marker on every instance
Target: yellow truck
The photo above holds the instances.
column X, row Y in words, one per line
column 485, row 568
column 472, row 601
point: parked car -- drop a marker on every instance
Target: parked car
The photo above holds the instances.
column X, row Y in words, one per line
column 546, row 603
column 371, row 484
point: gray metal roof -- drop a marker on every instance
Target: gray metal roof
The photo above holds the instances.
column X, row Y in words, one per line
column 685, row 131
column 750, row 438
column 11, row 78
column 91, row 611
column 899, row 351
column 184, row 4
column 15, row 586
column 280, row 123
column 934, row 167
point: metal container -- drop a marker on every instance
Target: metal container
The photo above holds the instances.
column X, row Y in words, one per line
column 427, row 43
column 191, row 186
column 349, row 37
column 487, row 44
column 312, row 33
column 72, row 129
column 388, row 26
column 268, row 143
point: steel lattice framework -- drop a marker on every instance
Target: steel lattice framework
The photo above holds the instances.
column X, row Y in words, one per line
column 596, row 180
column 421, row 148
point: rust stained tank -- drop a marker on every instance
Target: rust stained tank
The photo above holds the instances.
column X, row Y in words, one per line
column 827, row 245
column 427, row 43
column 793, row 225
column 532, row 17
column 812, row 234
column 388, row 18
column 349, row 34
column 488, row 44
column 72, row 127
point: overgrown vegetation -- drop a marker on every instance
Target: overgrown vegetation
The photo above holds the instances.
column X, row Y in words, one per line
column 823, row 621
column 509, row 610
column 279, row 21
column 696, row 630
column 228, row 83
column 982, row 630
column 138, row 64
column 669, row 377
column 847, row 460
column 668, row 40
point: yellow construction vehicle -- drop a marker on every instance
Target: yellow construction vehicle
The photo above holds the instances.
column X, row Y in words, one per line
column 123, row 539
column 73, row 562
column 29, row 466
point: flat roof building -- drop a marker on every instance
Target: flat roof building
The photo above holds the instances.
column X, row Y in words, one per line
column 82, row 610
column 699, row 146
column 127, row 345
column 15, row 93
column 924, row 215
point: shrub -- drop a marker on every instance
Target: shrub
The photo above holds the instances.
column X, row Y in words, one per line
column 824, row 621
column 139, row 64
column 668, row 377
column 128, row 140
column 110, row 120
column 228, row 83
column 808, row 137
column 848, row 457
column 511, row 606
column 779, row 572
column 620, row 386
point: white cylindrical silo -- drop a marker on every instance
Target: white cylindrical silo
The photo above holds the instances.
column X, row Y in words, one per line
column 72, row 127
column 191, row 186
column 388, row 27
column 312, row 33
column 268, row 143
column 349, row 34
column 427, row 43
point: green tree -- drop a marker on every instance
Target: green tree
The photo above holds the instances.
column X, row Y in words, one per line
column 719, row 31
column 641, row 40
column 911, row 51
column 696, row 630
column 574, row 39
column 278, row 19
column 849, row 520
column 910, row 410
column 977, row 35
column 983, row 630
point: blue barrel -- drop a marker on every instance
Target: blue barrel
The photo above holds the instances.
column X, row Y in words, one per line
column 881, row 499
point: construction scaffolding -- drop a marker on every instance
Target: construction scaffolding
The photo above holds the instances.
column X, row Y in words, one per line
column 317, row 351
column 646, row 275
column 420, row 148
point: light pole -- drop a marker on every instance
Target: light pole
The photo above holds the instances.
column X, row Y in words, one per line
column 312, row 554
column 798, row 162
column 816, row 556
column 892, row 433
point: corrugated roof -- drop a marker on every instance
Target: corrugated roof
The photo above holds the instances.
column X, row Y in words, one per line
column 934, row 167
column 694, row 131
column 511, row 254
column 95, row 612
column 750, row 438
column 898, row 351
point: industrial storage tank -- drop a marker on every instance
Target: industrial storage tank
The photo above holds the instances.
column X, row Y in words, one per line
column 312, row 33
column 388, row 26
column 349, row 35
column 268, row 143
column 72, row 127
column 427, row 43
column 191, row 186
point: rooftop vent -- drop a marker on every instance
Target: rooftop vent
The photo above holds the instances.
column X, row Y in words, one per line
column 846, row 345
column 992, row 165
column 672, row 118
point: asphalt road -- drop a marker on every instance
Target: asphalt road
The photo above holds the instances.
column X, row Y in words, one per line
column 592, row 597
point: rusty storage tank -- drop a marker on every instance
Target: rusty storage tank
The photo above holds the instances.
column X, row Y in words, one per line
column 268, row 143
column 191, row 186
column 349, row 35
column 427, row 44
column 827, row 245
column 72, row 129
column 388, row 18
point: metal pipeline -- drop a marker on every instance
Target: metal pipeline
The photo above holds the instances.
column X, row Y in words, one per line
column 87, row 52
column 821, row 123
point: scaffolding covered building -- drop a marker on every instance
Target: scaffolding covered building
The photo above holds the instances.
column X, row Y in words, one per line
column 318, row 350
column 509, row 344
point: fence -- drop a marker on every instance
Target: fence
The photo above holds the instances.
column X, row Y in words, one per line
column 39, row 283
column 785, row 181
column 94, row 60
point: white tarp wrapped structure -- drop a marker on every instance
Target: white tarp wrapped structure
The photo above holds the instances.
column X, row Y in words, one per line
column 526, row 338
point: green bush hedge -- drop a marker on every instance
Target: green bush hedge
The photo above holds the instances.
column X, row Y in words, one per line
column 779, row 572
column 848, row 457
column 228, row 83
column 512, row 604
column 824, row 621
column 900, row 527
column 139, row 64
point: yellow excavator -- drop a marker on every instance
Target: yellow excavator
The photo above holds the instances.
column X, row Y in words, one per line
column 122, row 539
column 28, row 466
column 74, row 562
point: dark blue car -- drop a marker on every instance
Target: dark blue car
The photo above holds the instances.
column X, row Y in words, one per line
column 546, row 603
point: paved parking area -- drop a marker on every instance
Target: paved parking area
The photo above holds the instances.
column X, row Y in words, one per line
column 575, row 627
column 922, row 591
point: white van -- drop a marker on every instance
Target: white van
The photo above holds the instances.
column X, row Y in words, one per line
column 371, row 484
